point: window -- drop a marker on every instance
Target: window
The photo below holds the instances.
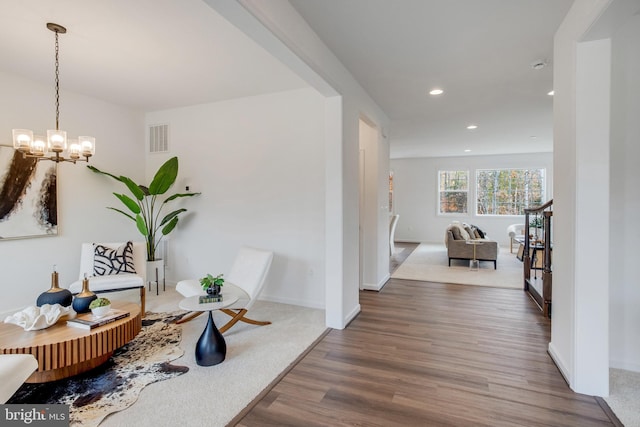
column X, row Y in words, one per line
column 453, row 191
column 509, row 191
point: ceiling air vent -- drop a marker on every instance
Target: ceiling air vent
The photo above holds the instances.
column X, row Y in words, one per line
column 158, row 138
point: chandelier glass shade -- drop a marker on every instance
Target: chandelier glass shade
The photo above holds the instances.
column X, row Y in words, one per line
column 54, row 146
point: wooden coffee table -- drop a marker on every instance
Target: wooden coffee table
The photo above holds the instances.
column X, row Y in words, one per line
column 63, row 351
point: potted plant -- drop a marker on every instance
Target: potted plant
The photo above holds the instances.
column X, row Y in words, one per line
column 536, row 223
column 144, row 207
column 212, row 284
column 100, row 306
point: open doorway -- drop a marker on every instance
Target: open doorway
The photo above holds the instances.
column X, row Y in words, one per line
column 374, row 206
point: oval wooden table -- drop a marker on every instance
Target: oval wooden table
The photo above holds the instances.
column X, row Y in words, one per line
column 63, row 351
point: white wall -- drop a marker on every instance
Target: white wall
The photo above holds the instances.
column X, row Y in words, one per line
column 416, row 194
column 25, row 265
column 259, row 164
column 277, row 27
column 587, row 115
column 624, row 296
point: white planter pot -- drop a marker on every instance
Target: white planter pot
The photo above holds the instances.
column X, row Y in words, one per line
column 153, row 268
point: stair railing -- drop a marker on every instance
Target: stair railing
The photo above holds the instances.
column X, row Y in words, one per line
column 533, row 248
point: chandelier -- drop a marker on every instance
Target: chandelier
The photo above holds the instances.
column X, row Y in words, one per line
column 55, row 146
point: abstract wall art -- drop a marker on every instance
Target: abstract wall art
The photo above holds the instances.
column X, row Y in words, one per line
column 28, row 196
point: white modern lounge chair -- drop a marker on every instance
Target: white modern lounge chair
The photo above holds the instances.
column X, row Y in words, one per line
column 118, row 279
column 514, row 231
column 15, row 369
column 245, row 280
column 392, row 233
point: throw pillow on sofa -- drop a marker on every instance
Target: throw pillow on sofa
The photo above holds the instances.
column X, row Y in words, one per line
column 456, row 233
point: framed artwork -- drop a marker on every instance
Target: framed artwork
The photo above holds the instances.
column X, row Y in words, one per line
column 28, row 196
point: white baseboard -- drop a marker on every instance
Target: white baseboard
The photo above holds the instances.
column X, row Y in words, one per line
column 378, row 286
column 624, row 365
column 562, row 367
column 352, row 315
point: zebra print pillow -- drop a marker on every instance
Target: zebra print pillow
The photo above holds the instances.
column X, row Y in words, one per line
column 107, row 261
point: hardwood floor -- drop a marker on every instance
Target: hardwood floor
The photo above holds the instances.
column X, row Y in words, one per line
column 431, row 354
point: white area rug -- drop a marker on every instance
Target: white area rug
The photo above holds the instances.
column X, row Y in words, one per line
column 429, row 262
column 212, row 396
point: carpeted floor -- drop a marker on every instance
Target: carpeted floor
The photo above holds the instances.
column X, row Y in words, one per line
column 624, row 396
column 429, row 262
column 116, row 384
column 212, row 396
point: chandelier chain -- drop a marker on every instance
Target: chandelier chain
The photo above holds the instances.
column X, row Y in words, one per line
column 57, row 84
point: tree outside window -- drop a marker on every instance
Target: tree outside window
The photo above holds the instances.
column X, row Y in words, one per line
column 453, row 191
column 509, row 191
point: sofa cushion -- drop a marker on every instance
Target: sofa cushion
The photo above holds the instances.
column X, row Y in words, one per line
column 456, row 233
column 469, row 231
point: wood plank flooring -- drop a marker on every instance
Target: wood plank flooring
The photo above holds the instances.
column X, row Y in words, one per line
column 430, row 354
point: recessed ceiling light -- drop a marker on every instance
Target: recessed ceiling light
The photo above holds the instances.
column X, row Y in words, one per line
column 467, row 151
column 533, row 137
column 472, row 127
column 551, row 93
column 436, row 92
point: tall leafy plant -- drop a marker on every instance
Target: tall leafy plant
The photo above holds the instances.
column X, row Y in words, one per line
column 145, row 208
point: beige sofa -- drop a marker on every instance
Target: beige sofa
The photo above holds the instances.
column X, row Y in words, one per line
column 456, row 238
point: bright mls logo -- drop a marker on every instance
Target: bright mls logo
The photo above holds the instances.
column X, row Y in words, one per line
column 35, row 415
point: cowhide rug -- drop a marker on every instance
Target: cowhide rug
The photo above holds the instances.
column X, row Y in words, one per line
column 116, row 384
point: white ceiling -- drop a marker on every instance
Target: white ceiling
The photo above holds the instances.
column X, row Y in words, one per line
column 147, row 54
column 158, row 54
column 479, row 52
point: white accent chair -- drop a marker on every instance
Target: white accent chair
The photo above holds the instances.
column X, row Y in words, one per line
column 15, row 369
column 114, row 282
column 245, row 280
column 514, row 230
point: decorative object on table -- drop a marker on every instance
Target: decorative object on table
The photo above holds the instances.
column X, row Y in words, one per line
column 36, row 318
column 207, row 299
column 536, row 228
column 28, row 196
column 116, row 384
column 100, row 306
column 89, row 321
column 56, row 140
column 55, row 294
column 212, row 285
column 82, row 301
column 143, row 209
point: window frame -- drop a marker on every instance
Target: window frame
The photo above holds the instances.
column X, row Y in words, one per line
column 543, row 190
column 467, row 191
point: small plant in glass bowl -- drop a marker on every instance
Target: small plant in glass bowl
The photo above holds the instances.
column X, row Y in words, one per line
column 212, row 284
column 100, row 306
